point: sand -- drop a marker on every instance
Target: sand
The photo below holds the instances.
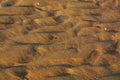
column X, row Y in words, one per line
column 59, row 39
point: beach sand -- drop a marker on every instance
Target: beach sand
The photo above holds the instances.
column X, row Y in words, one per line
column 59, row 39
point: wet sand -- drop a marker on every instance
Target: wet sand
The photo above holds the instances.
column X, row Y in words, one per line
column 59, row 39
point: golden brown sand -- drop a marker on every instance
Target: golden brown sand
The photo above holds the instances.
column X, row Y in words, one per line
column 59, row 39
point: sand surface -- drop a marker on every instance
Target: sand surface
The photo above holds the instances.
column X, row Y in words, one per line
column 59, row 39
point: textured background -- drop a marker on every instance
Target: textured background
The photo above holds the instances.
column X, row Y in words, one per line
column 59, row 39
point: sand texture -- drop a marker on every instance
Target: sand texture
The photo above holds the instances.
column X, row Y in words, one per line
column 59, row 39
